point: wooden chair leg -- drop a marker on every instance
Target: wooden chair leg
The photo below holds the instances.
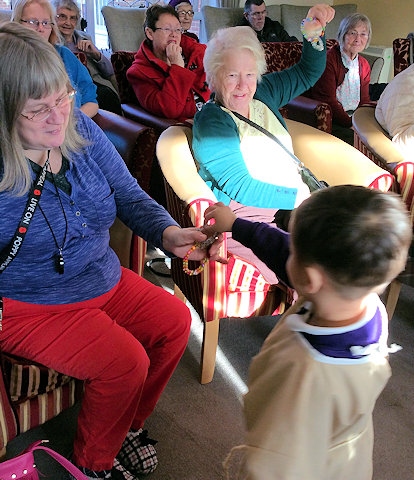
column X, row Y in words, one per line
column 179, row 294
column 392, row 298
column 209, row 350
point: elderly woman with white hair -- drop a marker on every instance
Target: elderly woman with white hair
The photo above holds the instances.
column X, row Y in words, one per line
column 345, row 83
column 245, row 168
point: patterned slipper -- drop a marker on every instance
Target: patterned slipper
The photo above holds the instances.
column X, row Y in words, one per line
column 137, row 453
column 121, row 472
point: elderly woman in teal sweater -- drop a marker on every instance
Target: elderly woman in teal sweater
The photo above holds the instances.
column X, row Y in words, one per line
column 245, row 168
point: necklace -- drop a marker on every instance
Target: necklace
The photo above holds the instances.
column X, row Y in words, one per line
column 59, row 260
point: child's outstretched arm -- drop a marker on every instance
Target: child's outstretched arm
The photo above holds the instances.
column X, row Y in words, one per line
column 268, row 243
column 223, row 217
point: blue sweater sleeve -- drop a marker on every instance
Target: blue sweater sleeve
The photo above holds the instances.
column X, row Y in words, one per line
column 79, row 77
column 269, row 244
column 145, row 217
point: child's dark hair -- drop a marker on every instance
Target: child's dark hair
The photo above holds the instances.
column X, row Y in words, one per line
column 359, row 236
column 154, row 12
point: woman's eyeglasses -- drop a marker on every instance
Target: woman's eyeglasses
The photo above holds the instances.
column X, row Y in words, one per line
column 35, row 23
column 61, row 17
column 169, row 30
column 183, row 14
column 44, row 113
column 355, row 34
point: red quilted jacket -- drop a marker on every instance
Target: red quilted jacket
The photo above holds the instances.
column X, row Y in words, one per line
column 167, row 91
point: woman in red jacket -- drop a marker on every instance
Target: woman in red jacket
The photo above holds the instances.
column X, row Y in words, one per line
column 167, row 75
column 345, row 83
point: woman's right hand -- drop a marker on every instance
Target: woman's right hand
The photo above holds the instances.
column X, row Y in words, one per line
column 174, row 54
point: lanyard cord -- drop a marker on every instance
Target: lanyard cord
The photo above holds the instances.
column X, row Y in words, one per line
column 9, row 253
column 59, row 260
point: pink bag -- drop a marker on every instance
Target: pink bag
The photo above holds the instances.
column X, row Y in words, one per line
column 23, row 467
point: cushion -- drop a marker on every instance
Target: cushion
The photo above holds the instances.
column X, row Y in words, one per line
column 28, row 379
column 292, row 15
column 125, row 27
column 121, row 61
column 401, row 49
column 281, row 55
column 215, row 17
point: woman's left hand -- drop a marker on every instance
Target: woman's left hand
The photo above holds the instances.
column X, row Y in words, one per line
column 89, row 48
column 313, row 26
column 179, row 241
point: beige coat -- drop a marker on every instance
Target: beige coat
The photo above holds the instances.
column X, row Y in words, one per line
column 309, row 416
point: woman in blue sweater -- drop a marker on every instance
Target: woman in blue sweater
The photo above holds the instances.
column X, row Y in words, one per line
column 38, row 15
column 68, row 304
column 246, row 169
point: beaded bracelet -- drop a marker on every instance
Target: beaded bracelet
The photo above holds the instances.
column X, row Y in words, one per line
column 314, row 37
column 201, row 245
column 199, row 269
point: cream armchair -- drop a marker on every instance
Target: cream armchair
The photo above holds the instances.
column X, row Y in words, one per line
column 374, row 142
column 238, row 289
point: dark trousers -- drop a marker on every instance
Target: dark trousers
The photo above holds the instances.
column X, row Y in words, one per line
column 108, row 99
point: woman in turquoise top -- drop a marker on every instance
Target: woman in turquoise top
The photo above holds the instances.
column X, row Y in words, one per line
column 37, row 15
column 244, row 168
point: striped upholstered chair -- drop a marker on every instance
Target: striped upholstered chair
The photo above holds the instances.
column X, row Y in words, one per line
column 375, row 142
column 238, row 289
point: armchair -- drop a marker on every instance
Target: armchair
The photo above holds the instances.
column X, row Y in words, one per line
column 279, row 55
column 31, row 394
column 125, row 27
column 238, row 289
column 282, row 55
column 375, row 143
column 288, row 15
column 402, row 53
column 121, row 61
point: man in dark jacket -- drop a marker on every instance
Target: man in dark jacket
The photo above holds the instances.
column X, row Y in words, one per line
column 267, row 30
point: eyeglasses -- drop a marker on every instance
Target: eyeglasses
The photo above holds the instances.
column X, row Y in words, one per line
column 355, row 34
column 190, row 13
column 64, row 18
column 34, row 23
column 44, row 113
column 177, row 31
column 258, row 14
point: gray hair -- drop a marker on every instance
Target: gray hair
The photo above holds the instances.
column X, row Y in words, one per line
column 236, row 39
column 43, row 74
column 17, row 13
column 68, row 4
column 349, row 23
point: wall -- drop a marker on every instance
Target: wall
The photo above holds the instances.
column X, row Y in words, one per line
column 390, row 19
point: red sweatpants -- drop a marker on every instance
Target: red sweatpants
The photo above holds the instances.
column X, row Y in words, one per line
column 125, row 345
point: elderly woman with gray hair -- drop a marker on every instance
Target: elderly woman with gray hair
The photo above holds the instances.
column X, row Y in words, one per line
column 39, row 16
column 345, row 83
column 100, row 68
column 245, row 168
